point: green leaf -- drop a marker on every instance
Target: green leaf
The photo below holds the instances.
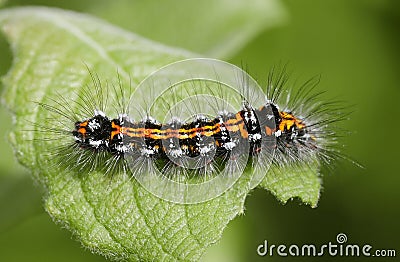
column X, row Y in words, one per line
column 299, row 180
column 114, row 216
column 8, row 164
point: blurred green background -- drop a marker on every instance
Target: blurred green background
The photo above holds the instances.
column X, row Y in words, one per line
column 354, row 45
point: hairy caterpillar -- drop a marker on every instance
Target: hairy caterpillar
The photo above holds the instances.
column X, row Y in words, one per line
column 189, row 130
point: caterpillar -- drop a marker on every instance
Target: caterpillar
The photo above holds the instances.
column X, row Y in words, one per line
column 209, row 136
